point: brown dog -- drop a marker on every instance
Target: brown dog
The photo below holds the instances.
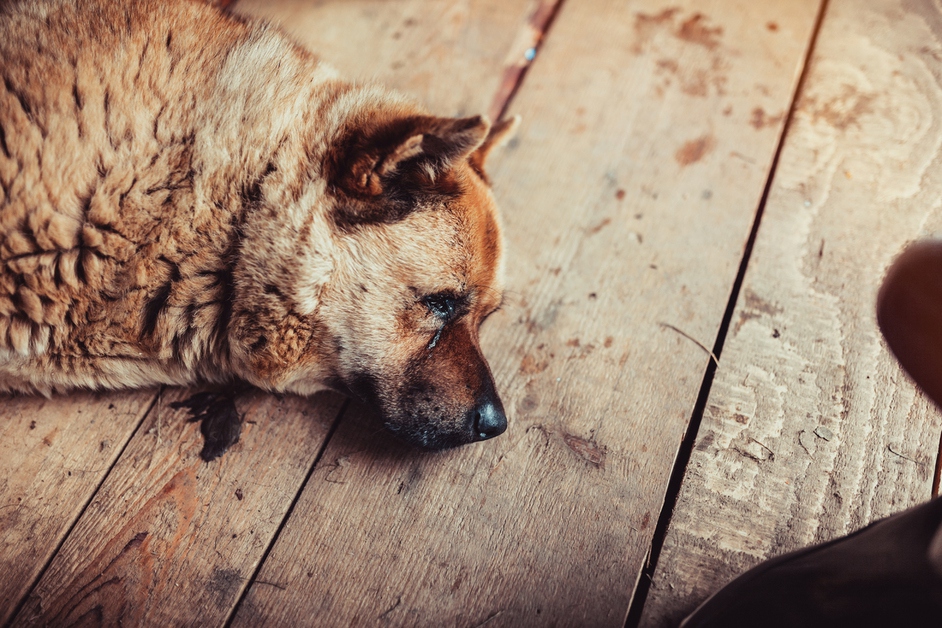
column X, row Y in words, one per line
column 186, row 197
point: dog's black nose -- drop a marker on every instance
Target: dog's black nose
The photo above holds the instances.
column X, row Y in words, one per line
column 489, row 419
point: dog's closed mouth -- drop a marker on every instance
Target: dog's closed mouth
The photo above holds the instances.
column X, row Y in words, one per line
column 485, row 421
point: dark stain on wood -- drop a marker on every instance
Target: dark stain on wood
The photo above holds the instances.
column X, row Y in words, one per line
column 695, row 150
column 135, row 541
column 753, row 308
column 47, row 439
column 668, row 65
column 224, row 584
column 595, row 229
column 645, row 26
column 694, row 81
column 529, row 403
column 841, row 111
column 695, row 31
column 219, row 419
column 530, row 365
column 757, row 304
column 760, row 119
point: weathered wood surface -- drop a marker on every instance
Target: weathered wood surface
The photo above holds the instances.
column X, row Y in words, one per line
column 811, row 429
column 451, row 56
column 648, row 134
column 53, row 455
column 171, row 540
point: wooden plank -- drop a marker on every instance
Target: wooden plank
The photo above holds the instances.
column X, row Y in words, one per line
column 451, row 56
column 648, row 132
column 811, row 429
column 172, row 540
column 53, row 455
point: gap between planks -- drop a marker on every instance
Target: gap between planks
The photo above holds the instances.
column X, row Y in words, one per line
column 522, row 55
column 154, row 403
column 234, row 609
column 685, row 449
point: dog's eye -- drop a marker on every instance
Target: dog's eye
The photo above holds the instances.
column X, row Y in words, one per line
column 442, row 305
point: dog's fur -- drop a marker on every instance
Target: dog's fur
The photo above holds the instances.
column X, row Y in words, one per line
column 186, row 196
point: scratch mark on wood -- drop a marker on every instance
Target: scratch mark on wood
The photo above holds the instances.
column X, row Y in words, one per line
column 489, row 618
column 391, row 608
column 743, row 452
column 716, row 360
column 738, row 155
column 903, row 456
column 339, row 465
column 588, row 450
column 771, row 453
column 753, row 456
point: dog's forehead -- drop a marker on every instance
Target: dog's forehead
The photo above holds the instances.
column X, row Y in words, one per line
column 449, row 244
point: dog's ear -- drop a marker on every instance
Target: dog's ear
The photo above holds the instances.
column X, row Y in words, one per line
column 500, row 134
column 375, row 159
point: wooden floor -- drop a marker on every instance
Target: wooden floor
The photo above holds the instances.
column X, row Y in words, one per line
column 637, row 476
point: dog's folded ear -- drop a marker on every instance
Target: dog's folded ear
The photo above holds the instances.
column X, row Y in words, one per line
column 500, row 134
column 374, row 160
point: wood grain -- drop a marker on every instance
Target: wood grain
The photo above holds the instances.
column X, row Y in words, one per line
column 172, row 540
column 53, row 455
column 450, row 55
column 628, row 199
column 811, row 429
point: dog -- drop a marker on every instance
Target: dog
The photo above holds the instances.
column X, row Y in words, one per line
column 187, row 196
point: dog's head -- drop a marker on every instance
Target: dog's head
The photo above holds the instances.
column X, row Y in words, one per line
column 415, row 268
column 419, row 269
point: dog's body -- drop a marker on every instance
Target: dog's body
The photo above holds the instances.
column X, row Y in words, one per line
column 189, row 197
